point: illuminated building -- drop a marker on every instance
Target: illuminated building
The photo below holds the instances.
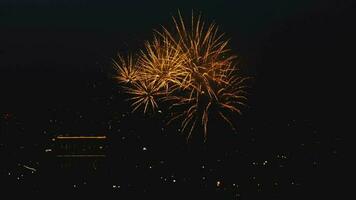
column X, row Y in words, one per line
column 79, row 153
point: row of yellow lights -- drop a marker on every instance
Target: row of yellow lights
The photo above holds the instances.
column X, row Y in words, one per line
column 75, row 156
column 81, row 137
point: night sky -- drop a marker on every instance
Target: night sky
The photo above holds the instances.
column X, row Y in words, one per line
column 56, row 78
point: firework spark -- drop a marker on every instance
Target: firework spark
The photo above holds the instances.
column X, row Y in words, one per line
column 191, row 68
column 161, row 63
column 126, row 69
column 144, row 95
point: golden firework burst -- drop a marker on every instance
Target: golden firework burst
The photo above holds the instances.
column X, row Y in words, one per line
column 161, row 63
column 190, row 67
column 144, row 95
column 126, row 69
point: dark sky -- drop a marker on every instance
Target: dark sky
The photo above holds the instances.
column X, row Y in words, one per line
column 55, row 63
column 51, row 50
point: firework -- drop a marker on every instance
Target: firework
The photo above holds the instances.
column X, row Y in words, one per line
column 161, row 63
column 190, row 67
column 144, row 95
column 126, row 69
